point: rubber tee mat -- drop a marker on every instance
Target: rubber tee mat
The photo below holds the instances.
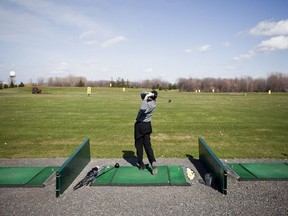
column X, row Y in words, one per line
column 260, row 171
column 132, row 176
column 25, row 176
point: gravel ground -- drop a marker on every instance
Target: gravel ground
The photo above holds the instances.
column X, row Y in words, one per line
column 243, row 198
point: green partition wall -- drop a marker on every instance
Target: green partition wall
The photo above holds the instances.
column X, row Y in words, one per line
column 213, row 165
column 70, row 169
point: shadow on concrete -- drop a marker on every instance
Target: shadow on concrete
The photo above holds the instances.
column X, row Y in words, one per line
column 130, row 157
column 201, row 170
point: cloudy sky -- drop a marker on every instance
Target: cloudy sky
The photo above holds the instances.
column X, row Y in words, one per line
column 143, row 39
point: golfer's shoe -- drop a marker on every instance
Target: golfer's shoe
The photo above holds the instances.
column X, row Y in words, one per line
column 142, row 166
column 154, row 168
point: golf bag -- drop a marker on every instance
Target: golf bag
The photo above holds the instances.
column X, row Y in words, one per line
column 89, row 178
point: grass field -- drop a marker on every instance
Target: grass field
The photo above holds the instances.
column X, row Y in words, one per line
column 54, row 123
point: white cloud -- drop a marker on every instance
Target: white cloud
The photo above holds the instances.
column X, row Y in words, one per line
column 245, row 56
column 91, row 42
column 22, row 27
column 87, row 34
column 270, row 28
column 189, row 50
column 60, row 14
column 204, row 48
column 113, row 41
column 278, row 33
column 274, row 43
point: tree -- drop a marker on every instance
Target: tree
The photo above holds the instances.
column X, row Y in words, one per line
column 12, row 85
column 80, row 83
column 21, row 84
column 277, row 82
column 259, row 85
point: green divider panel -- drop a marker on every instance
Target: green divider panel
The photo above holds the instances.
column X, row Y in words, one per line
column 71, row 168
column 213, row 165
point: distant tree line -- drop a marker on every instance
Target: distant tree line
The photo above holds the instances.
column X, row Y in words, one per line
column 75, row 81
column 11, row 85
column 276, row 82
column 68, row 81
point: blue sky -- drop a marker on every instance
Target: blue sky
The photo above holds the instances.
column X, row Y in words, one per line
column 143, row 39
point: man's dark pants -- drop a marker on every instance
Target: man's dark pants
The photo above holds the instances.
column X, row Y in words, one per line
column 142, row 131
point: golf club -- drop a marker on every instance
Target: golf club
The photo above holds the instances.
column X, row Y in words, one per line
column 103, row 172
column 169, row 100
column 92, row 175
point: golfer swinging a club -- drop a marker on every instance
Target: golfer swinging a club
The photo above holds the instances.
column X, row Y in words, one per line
column 143, row 130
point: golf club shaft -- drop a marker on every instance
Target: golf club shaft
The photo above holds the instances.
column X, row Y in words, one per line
column 164, row 98
column 105, row 171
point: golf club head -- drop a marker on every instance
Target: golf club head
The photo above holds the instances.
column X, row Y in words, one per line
column 169, row 100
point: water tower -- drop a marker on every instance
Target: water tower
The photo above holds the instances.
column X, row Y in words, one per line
column 12, row 75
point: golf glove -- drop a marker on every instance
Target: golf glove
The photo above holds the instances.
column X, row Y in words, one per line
column 149, row 95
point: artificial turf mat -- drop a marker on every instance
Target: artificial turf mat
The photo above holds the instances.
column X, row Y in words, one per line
column 132, row 176
column 25, row 176
column 260, row 171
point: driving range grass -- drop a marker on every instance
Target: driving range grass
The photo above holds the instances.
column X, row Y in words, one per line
column 55, row 123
